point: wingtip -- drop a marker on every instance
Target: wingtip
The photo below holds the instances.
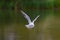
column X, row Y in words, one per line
column 38, row 15
column 21, row 10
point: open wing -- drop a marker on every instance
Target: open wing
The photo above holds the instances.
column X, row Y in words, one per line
column 26, row 16
column 35, row 18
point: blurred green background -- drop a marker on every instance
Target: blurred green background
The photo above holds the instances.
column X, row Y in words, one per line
column 12, row 23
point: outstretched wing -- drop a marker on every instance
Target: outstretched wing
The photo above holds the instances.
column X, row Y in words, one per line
column 35, row 18
column 26, row 16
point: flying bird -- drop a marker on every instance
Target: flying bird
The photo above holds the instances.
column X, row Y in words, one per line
column 30, row 23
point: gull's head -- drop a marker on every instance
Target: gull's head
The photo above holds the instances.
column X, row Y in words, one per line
column 31, row 25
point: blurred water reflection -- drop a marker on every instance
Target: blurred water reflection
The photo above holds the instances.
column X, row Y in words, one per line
column 9, row 33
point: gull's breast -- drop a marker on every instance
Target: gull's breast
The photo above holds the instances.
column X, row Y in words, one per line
column 30, row 26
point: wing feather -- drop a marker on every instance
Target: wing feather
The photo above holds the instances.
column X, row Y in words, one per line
column 36, row 18
column 26, row 16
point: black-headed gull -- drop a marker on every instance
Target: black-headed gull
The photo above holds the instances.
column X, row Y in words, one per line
column 31, row 23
